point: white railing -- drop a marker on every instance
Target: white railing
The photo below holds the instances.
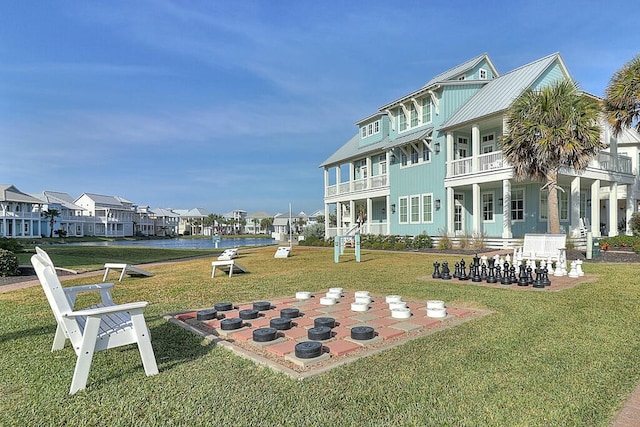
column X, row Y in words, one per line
column 19, row 215
column 494, row 160
column 374, row 182
column 609, row 162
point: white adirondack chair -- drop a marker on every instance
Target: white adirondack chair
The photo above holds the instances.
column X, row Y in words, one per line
column 72, row 292
column 93, row 329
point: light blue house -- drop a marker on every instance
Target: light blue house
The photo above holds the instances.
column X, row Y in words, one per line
column 429, row 162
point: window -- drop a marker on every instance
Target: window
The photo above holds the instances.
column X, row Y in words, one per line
column 425, row 154
column 376, row 126
column 414, row 156
column 402, row 203
column 370, row 128
column 363, row 131
column 583, row 204
column 404, row 159
column 461, row 78
column 402, row 120
column 483, row 74
column 426, row 110
column 414, row 116
column 517, row 204
column 462, row 146
column 487, row 207
column 382, row 161
column 488, row 143
column 563, row 204
column 415, row 209
column 427, row 208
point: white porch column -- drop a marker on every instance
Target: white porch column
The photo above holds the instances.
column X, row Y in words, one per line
column 506, row 209
column 450, row 211
column 326, row 180
column 369, row 215
column 339, row 218
column 338, row 179
column 388, row 210
column 629, row 209
column 449, row 152
column 613, row 209
column 352, row 213
column 327, row 225
column 477, row 209
column 575, row 207
column 595, row 208
column 352, row 177
column 475, row 147
column 369, row 173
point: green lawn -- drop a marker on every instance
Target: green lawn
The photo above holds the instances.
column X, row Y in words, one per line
column 565, row 358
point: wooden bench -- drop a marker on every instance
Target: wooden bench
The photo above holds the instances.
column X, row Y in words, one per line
column 126, row 269
column 542, row 247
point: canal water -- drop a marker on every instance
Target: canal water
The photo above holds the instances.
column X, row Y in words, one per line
column 180, row 243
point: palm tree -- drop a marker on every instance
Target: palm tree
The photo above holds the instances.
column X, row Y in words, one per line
column 622, row 103
column 547, row 130
column 51, row 215
column 266, row 224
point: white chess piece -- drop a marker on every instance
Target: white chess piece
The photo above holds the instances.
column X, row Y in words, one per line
column 574, row 271
column 558, row 272
column 579, row 267
column 550, row 267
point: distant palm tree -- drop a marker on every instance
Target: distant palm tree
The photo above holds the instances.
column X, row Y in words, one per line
column 266, row 224
column 622, row 102
column 51, row 215
column 548, row 129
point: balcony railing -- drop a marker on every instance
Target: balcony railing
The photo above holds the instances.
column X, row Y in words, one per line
column 494, row 160
column 372, row 183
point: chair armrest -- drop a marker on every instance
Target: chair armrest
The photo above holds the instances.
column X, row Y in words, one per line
column 100, row 311
column 88, row 288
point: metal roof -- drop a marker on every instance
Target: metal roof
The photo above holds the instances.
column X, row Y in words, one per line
column 500, row 92
column 9, row 193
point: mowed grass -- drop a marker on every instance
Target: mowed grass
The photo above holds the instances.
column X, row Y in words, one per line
column 565, row 358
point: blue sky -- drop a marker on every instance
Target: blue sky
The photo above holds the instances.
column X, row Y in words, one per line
column 233, row 104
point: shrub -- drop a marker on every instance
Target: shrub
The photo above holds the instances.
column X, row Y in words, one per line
column 315, row 231
column 465, row 241
column 634, row 223
column 422, row 241
column 8, row 263
column 479, row 240
column 399, row 246
column 445, row 241
column 12, row 245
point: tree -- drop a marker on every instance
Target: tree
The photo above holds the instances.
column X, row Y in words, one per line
column 266, row 224
column 51, row 215
column 622, row 102
column 547, row 130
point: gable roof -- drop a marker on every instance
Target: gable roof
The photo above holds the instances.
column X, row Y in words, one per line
column 9, row 193
column 500, row 92
column 62, row 199
column 102, row 200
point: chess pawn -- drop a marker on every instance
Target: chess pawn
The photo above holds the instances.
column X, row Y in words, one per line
column 445, row 271
column 545, row 277
column 498, row 274
column 537, row 282
column 558, row 272
column 574, row 272
column 512, row 274
column 530, row 275
column 436, row 270
column 506, row 279
column 507, row 258
column 483, row 272
column 579, row 267
column 549, row 266
column 456, row 272
column 463, row 271
column 483, row 259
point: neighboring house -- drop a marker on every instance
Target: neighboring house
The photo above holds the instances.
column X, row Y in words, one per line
column 254, row 222
column 20, row 213
column 110, row 216
column 72, row 218
column 191, row 221
column 429, row 162
column 166, row 222
column 236, row 221
column 144, row 222
column 313, row 218
column 281, row 226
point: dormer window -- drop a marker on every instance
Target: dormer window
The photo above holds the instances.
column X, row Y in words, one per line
column 461, row 77
column 426, row 110
column 483, row 74
column 370, row 129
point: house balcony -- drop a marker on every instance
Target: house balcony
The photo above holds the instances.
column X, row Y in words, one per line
column 19, row 215
column 358, row 186
column 494, row 162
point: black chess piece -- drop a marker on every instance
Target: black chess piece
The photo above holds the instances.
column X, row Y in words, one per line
column 498, row 274
column 491, row 278
column 522, row 280
column 483, row 272
column 456, row 272
column 545, row 277
column 529, row 275
column 512, row 274
column 475, row 275
column 445, row 271
column 537, row 282
column 436, row 270
column 506, row 280
column 463, row 271
column 476, row 260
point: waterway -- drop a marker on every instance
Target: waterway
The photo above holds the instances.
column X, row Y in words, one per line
column 180, row 243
